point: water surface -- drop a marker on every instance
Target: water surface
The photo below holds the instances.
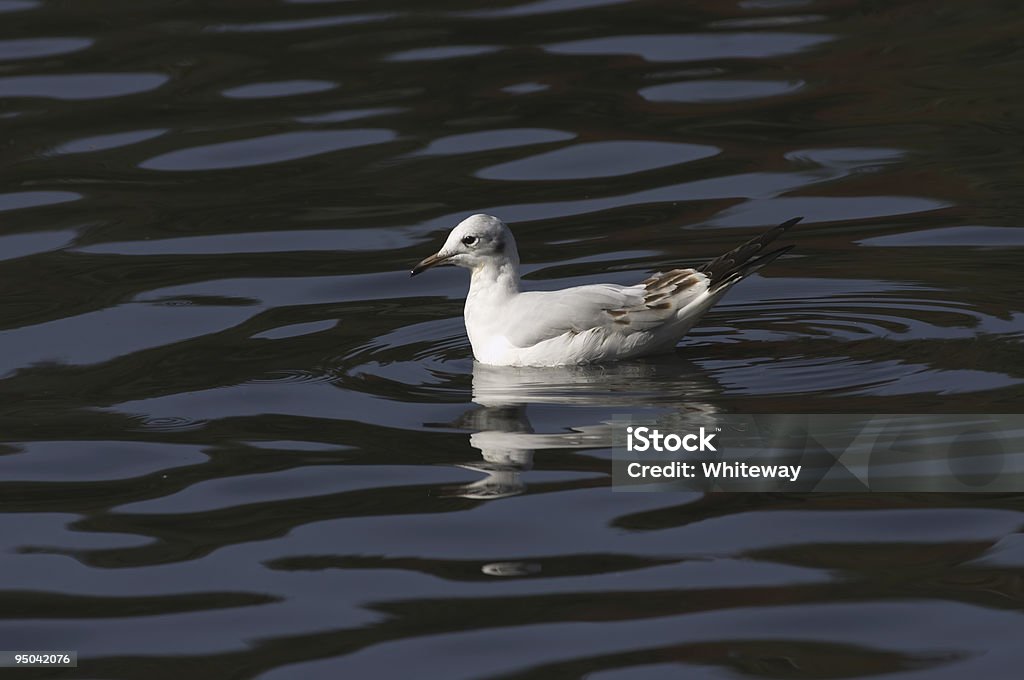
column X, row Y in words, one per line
column 238, row 441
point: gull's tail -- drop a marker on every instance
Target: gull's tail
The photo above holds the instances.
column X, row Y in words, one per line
column 746, row 259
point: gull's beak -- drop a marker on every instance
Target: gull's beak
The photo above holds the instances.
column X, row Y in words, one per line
column 432, row 261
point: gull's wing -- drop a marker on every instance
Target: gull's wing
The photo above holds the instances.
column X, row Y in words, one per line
column 685, row 294
column 619, row 309
column 661, row 300
column 542, row 315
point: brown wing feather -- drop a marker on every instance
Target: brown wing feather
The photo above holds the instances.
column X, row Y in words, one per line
column 661, row 286
column 660, row 297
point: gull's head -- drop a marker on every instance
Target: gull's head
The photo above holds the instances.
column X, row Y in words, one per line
column 474, row 243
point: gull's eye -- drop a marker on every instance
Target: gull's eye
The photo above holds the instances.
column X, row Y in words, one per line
column 468, row 240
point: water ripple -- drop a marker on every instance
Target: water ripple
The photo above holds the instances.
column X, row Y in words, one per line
column 599, row 159
column 112, row 141
column 286, row 146
column 823, row 209
column 17, row 5
column 475, row 142
column 698, row 91
column 441, row 53
column 32, row 199
column 280, row 88
column 53, row 461
column 769, row 22
column 261, row 242
column 20, row 245
column 525, row 88
column 346, row 115
column 80, row 86
column 298, row 24
column 538, row 7
column 694, row 46
column 33, row 48
column 965, row 236
column 296, row 330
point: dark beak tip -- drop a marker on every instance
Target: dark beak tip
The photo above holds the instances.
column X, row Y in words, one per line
column 432, row 261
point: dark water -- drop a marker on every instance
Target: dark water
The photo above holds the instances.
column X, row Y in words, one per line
column 239, row 442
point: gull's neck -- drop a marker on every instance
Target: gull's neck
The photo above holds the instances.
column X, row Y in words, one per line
column 492, row 289
column 495, row 279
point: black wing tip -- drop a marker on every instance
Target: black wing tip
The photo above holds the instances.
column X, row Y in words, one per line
column 767, row 258
column 748, row 257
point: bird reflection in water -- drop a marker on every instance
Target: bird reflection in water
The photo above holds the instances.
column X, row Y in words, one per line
column 578, row 401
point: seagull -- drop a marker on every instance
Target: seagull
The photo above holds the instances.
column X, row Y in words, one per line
column 586, row 324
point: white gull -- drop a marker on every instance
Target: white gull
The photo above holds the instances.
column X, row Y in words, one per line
column 585, row 324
